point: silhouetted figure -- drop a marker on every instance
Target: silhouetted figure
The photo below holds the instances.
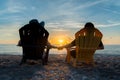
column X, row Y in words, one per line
column 47, row 44
column 45, row 41
column 32, row 40
column 46, row 33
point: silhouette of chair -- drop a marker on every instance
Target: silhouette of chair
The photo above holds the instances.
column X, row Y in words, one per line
column 86, row 45
column 33, row 49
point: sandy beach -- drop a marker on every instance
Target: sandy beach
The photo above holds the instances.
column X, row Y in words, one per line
column 107, row 68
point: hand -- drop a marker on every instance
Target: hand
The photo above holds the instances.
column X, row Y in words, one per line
column 51, row 46
column 60, row 48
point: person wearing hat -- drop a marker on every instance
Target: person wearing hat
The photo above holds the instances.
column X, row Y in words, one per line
column 32, row 42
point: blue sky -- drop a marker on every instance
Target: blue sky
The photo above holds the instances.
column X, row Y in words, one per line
column 62, row 17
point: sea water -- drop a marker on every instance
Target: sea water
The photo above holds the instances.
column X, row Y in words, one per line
column 16, row 50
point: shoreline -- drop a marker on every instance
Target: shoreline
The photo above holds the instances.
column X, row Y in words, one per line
column 107, row 68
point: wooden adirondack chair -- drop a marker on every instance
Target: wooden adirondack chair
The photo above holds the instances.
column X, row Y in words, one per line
column 33, row 48
column 86, row 45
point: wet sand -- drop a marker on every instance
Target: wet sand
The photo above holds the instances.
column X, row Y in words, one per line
column 107, row 68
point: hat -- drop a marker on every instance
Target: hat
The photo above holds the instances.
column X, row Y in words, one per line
column 33, row 21
column 42, row 23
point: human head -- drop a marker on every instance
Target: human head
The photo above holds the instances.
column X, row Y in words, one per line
column 89, row 25
column 42, row 23
column 33, row 21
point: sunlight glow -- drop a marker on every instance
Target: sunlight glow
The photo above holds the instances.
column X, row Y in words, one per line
column 61, row 42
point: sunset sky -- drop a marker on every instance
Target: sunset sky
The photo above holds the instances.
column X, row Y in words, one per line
column 62, row 17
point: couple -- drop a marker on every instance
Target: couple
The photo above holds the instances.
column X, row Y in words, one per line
column 34, row 40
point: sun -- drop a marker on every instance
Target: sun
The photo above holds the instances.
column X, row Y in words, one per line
column 61, row 42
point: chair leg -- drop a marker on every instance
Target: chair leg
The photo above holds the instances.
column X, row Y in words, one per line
column 68, row 58
column 45, row 57
column 74, row 62
column 22, row 61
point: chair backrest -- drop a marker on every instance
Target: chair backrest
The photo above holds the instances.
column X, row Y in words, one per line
column 87, row 43
column 90, row 41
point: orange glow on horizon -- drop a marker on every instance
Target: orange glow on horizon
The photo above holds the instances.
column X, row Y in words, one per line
column 9, row 41
column 59, row 40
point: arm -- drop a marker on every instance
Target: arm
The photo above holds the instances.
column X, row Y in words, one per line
column 67, row 45
column 46, row 34
column 98, row 33
column 50, row 46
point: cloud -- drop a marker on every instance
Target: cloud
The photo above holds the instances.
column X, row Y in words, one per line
column 10, row 27
column 89, row 4
column 60, row 30
column 12, row 12
column 65, row 25
column 109, row 25
column 15, row 6
column 112, row 11
column 73, row 10
column 9, row 33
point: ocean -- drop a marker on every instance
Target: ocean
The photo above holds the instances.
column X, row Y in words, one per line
column 12, row 49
